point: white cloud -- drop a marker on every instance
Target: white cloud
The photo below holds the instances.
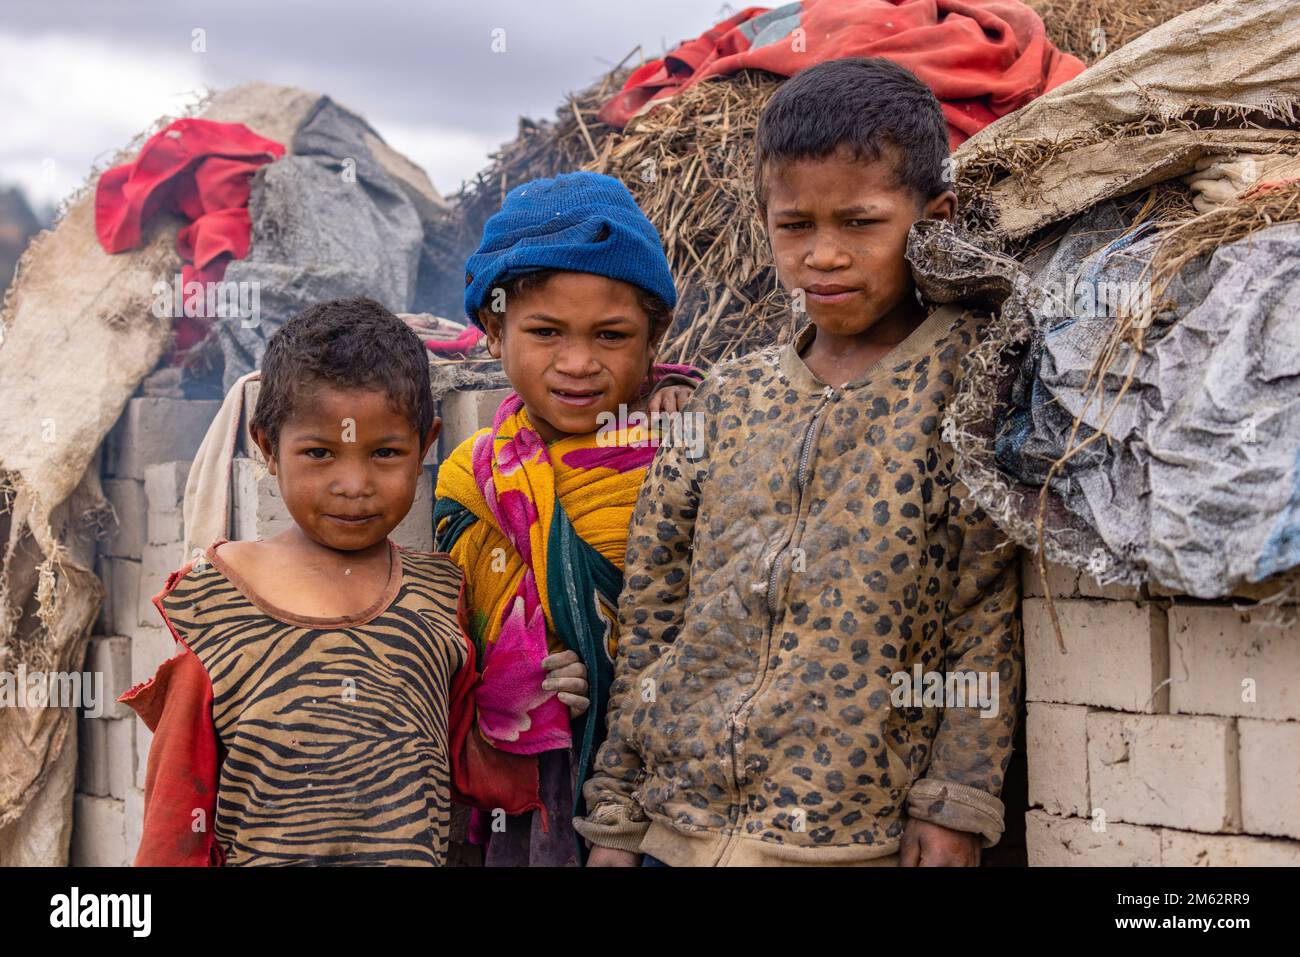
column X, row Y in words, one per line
column 68, row 102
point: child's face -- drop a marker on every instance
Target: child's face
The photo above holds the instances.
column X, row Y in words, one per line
column 838, row 228
column 347, row 466
column 574, row 348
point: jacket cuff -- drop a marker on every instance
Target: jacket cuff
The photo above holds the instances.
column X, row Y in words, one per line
column 958, row 807
column 672, row 379
column 611, row 825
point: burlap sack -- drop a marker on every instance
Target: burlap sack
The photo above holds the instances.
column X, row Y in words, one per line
column 79, row 336
column 1202, row 83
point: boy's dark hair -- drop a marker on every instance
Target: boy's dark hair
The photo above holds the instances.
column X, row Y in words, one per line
column 862, row 103
column 658, row 311
column 343, row 343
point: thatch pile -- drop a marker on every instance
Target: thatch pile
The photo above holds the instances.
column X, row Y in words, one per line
column 689, row 164
column 1090, row 29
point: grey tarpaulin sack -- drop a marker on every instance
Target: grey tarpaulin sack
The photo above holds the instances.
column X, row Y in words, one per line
column 328, row 222
column 1196, row 485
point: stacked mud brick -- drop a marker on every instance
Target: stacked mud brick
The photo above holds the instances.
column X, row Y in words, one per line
column 146, row 461
column 1167, row 733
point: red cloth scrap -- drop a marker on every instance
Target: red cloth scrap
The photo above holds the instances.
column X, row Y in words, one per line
column 201, row 171
column 982, row 58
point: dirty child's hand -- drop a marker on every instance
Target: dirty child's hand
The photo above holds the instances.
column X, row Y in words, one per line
column 567, row 676
column 931, row 845
column 673, row 398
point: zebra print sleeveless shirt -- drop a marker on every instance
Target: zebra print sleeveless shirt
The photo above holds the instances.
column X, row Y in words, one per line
column 334, row 732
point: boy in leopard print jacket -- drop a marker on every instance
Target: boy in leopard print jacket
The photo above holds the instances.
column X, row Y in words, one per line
column 822, row 657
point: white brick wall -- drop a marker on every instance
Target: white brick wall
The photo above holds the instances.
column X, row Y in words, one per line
column 1167, row 734
column 1074, row 842
column 146, row 459
column 1180, row 771
column 1225, row 661
column 1270, row 776
column 126, row 535
column 110, row 657
column 1116, row 654
column 164, row 488
column 1056, row 736
column 1184, row 849
column 153, row 430
column 98, row 832
column 464, row 413
column 121, row 578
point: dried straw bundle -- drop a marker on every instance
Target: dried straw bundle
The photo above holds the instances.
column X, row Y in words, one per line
column 1092, row 28
column 689, row 163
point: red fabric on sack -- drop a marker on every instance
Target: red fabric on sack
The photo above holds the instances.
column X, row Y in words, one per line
column 201, row 171
column 982, row 58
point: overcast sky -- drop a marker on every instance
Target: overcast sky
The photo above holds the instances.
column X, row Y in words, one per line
column 78, row 78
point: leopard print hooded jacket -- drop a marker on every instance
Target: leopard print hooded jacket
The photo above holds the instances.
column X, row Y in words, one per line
column 781, row 576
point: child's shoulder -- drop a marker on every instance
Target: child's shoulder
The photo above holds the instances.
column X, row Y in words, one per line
column 236, row 553
column 434, row 566
column 741, row 372
column 238, row 560
column 954, row 330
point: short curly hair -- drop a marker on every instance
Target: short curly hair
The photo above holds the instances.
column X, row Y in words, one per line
column 862, row 104
column 343, row 343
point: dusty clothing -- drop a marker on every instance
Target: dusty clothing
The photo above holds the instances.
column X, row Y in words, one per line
column 280, row 739
column 775, row 587
column 528, row 840
column 540, row 529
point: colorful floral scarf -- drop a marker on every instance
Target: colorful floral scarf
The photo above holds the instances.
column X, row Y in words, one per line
column 541, row 532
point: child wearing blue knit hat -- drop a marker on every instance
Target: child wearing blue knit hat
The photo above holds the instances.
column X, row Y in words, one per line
column 572, row 287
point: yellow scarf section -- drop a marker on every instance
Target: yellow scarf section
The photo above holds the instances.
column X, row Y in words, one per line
column 598, row 500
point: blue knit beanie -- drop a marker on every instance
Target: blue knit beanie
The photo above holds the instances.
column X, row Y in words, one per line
column 580, row 222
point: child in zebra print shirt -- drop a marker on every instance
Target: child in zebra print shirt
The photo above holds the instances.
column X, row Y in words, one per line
column 321, row 707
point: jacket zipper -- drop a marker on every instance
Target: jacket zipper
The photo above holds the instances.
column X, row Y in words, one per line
column 805, row 460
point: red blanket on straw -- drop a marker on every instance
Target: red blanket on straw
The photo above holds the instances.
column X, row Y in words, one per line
column 982, row 58
column 199, row 170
